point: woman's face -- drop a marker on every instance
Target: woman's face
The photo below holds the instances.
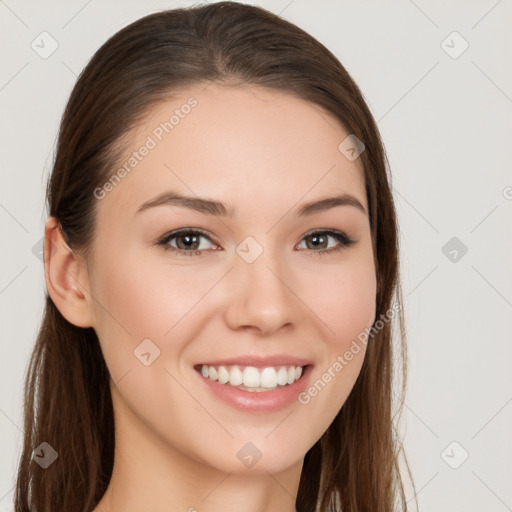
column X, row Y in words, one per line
column 252, row 289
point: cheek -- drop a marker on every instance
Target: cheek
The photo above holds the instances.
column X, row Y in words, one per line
column 132, row 304
column 355, row 300
column 140, row 299
column 136, row 302
column 344, row 299
column 345, row 302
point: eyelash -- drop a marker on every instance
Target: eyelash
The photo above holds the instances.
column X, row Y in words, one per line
column 343, row 238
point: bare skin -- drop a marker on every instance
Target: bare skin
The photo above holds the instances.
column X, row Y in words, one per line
column 263, row 153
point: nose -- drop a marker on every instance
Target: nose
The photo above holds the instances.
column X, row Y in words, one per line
column 261, row 296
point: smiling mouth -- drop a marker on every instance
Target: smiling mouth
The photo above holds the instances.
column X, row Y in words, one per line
column 251, row 378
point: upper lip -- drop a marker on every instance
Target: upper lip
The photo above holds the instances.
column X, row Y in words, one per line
column 259, row 361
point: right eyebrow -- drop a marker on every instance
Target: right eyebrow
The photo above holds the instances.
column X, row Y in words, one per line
column 202, row 205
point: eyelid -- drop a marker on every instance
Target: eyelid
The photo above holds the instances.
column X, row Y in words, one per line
column 179, row 231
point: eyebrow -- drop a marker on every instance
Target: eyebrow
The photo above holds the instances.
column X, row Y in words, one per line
column 212, row 207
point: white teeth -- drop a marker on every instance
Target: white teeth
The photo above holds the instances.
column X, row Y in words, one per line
column 252, row 378
column 282, row 376
column 212, row 373
column 223, row 375
column 268, row 378
column 235, row 376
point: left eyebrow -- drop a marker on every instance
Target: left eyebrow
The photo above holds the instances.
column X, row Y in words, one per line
column 328, row 203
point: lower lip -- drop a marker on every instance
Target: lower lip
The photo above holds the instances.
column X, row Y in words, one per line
column 254, row 401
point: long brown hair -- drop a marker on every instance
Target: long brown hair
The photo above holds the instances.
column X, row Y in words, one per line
column 354, row 465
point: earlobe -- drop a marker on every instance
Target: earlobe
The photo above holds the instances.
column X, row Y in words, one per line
column 66, row 276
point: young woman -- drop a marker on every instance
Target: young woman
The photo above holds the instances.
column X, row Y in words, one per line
column 221, row 260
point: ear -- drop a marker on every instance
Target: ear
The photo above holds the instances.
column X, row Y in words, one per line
column 66, row 277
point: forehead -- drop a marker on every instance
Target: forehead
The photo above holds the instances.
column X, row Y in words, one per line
column 242, row 144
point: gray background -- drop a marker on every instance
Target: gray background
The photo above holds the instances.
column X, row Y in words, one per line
column 446, row 123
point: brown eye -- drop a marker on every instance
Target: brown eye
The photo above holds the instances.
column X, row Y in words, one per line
column 319, row 241
column 186, row 241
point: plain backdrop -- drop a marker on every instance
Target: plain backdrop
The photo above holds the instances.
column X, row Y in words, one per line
column 437, row 78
